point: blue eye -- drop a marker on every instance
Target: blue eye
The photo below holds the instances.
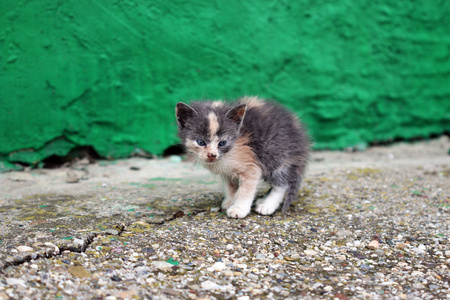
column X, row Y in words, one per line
column 201, row 143
column 222, row 143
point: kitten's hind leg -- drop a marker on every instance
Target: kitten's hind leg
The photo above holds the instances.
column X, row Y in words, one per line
column 230, row 187
column 269, row 204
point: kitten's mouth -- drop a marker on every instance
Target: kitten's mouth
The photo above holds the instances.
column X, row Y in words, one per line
column 211, row 160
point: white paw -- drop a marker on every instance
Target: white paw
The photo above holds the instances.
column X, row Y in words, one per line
column 266, row 207
column 226, row 203
column 238, row 211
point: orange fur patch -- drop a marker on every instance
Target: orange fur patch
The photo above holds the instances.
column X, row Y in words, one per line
column 252, row 101
column 239, row 163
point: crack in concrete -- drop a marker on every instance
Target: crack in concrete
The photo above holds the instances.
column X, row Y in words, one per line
column 54, row 251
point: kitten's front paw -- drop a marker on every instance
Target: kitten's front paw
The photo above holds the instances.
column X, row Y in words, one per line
column 265, row 207
column 227, row 202
column 237, row 211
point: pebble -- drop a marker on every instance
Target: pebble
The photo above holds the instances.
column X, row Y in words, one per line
column 310, row 252
column 17, row 259
column 16, row 281
column 373, row 245
column 260, row 256
column 78, row 242
column 162, row 265
column 111, row 231
column 316, row 286
column 420, row 249
column 210, row 285
column 24, row 249
column 72, row 177
column 218, row 266
column 78, row 271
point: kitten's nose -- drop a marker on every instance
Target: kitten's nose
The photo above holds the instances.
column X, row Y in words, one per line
column 212, row 156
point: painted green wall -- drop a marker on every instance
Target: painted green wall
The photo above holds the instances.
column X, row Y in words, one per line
column 108, row 73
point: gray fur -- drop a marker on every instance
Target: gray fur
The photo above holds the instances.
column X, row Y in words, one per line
column 276, row 137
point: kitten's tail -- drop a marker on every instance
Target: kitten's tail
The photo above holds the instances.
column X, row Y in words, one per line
column 294, row 186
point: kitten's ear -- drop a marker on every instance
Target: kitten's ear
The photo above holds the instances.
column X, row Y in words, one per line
column 237, row 113
column 183, row 113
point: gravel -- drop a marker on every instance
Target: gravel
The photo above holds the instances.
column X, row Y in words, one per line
column 357, row 231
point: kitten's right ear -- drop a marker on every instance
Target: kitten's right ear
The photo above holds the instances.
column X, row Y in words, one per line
column 237, row 113
column 183, row 113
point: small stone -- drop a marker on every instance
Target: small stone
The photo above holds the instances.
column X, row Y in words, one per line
column 79, row 271
column 215, row 209
column 210, row 285
column 102, row 282
column 162, row 265
column 78, row 242
column 328, row 288
column 243, row 298
column 260, row 256
column 218, row 266
column 341, row 257
column 316, row 286
column 280, row 262
column 310, row 252
column 112, row 231
column 16, row 281
column 72, row 177
column 18, row 259
column 401, row 246
column 24, row 249
column 341, row 296
column 374, row 245
column 420, row 249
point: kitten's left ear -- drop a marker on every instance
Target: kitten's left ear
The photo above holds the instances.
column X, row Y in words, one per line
column 237, row 113
column 183, row 113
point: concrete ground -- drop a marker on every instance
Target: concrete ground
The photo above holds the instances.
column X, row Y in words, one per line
column 372, row 224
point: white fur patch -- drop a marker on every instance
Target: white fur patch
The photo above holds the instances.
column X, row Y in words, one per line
column 271, row 202
column 213, row 146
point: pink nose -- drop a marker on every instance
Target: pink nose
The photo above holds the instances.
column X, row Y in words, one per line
column 212, row 156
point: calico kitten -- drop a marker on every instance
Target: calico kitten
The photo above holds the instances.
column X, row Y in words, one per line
column 244, row 142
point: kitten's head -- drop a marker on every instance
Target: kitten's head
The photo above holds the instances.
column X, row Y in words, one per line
column 209, row 129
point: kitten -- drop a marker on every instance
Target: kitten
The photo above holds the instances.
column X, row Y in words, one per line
column 244, row 142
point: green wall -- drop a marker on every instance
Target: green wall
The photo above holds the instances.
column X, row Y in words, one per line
column 108, row 73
